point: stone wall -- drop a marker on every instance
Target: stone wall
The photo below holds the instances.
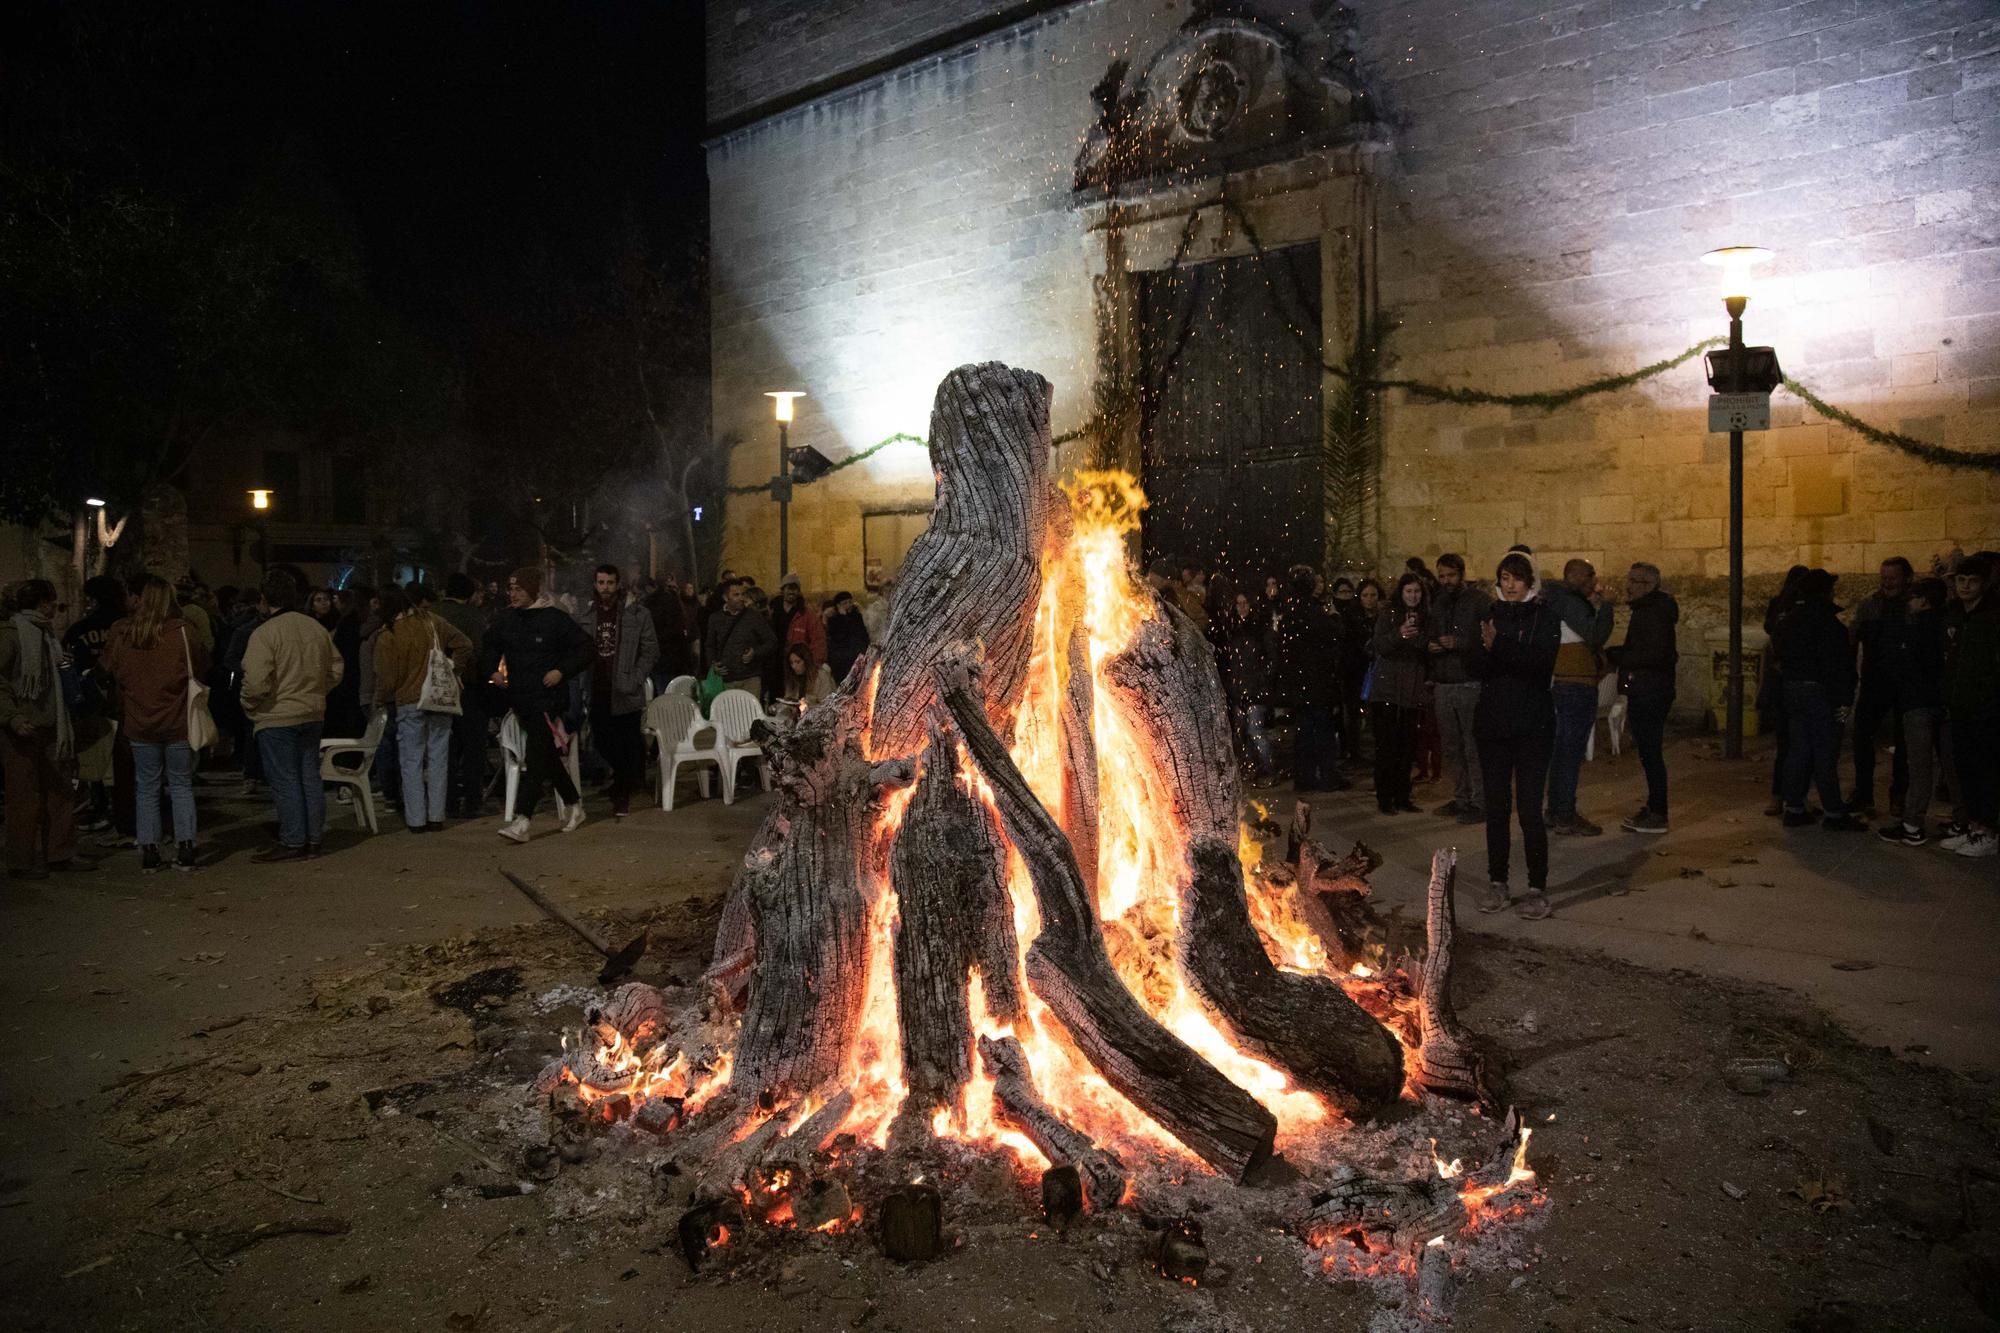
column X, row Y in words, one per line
column 1555, row 171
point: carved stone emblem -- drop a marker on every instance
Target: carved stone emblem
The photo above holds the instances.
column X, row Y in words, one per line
column 1212, row 98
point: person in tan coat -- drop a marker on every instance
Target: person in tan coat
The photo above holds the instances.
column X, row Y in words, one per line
column 289, row 665
column 423, row 737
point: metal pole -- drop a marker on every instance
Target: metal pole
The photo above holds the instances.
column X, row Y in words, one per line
column 1732, row 741
column 784, row 501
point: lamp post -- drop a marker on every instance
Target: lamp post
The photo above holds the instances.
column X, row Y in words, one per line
column 781, row 485
column 260, row 504
column 1739, row 370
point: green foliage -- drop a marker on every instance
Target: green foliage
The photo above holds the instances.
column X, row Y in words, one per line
column 1351, row 459
column 1941, row 455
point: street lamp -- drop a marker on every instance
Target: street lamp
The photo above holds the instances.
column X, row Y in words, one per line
column 260, row 497
column 781, row 485
column 260, row 503
column 1738, row 370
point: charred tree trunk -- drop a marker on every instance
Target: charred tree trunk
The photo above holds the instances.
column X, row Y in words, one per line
column 1306, row 1025
column 975, row 573
column 808, row 910
column 953, row 913
column 1070, row 970
column 1450, row 1061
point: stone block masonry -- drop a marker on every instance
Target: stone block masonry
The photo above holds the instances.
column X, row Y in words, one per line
column 1554, row 172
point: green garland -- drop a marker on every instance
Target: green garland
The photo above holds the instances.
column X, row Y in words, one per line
column 1928, row 452
column 900, row 437
column 1548, row 400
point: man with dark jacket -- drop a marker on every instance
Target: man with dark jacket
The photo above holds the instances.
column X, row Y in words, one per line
column 670, row 629
column 1454, row 640
column 846, row 636
column 1880, row 613
column 1308, row 643
column 542, row 648
column 1911, row 653
column 1817, row 659
column 740, row 640
column 1646, row 663
column 1972, row 699
column 626, row 649
column 1585, row 622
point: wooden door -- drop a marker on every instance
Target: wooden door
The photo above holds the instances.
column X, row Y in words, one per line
column 1230, row 413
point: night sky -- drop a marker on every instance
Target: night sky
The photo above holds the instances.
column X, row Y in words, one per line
column 458, row 134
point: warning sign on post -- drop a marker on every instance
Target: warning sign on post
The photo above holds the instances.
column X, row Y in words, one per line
column 1739, row 411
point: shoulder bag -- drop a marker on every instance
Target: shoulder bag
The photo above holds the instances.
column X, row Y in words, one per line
column 201, row 725
column 440, row 693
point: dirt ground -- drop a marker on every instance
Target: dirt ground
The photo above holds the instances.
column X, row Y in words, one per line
column 357, row 1126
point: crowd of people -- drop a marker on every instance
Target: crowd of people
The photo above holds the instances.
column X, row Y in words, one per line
column 1496, row 687
column 1492, row 687
column 105, row 718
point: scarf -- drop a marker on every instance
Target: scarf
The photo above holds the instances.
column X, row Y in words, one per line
column 36, row 672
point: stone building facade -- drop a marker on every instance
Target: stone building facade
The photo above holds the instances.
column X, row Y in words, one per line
column 1520, row 189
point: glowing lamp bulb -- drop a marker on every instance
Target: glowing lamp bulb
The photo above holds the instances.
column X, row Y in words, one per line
column 260, row 498
column 95, row 503
column 781, row 402
column 1736, row 263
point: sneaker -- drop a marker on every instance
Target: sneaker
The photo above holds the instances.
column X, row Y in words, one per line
column 1645, row 822
column 1386, row 807
column 1533, row 906
column 1450, row 807
column 1902, row 833
column 1583, row 828
column 1407, row 808
column 1495, row 898
column 1979, row 843
column 1848, row 823
column 184, row 857
column 435, row 826
column 575, row 820
column 1472, row 814
column 1799, row 818
column 1560, row 827
column 149, row 860
column 418, row 828
column 515, row 829
column 279, row 853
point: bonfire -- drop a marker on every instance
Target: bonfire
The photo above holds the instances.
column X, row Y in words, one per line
column 1010, row 900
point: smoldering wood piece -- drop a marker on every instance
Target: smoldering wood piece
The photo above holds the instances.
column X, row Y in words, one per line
column 731, row 1164
column 912, row 1223
column 1070, row 970
column 638, row 1011
column 816, row 1129
column 1166, row 680
column 975, row 573
column 1436, row 1288
column 1079, row 751
column 1019, row 1105
column 1450, row 1061
column 1387, row 1214
column 808, row 909
column 1306, row 1025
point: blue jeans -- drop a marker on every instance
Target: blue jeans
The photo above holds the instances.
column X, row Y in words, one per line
column 1812, row 752
column 291, row 766
column 423, row 749
column 1576, row 714
column 148, row 761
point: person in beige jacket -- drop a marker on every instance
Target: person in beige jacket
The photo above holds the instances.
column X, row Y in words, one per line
column 289, row 665
column 423, row 739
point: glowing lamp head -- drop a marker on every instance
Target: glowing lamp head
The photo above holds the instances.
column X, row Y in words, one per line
column 260, row 498
column 1736, row 263
column 781, row 402
column 94, row 502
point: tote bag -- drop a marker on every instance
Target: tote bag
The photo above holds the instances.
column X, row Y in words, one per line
column 201, row 726
column 440, row 692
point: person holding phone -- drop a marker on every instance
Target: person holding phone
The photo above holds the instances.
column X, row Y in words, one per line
column 1515, row 721
column 1402, row 647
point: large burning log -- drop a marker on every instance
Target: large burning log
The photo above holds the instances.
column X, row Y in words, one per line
column 1017, row 1104
column 953, row 913
column 1450, row 1061
column 809, row 914
column 1306, row 1025
column 1070, row 970
column 975, row 574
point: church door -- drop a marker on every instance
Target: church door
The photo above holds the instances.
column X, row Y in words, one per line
column 1230, row 413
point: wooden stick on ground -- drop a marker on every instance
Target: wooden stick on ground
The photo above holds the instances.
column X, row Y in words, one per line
column 1450, row 1061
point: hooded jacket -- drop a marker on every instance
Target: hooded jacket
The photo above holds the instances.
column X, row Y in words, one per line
column 533, row 641
column 1648, row 658
column 1814, row 647
column 1518, row 671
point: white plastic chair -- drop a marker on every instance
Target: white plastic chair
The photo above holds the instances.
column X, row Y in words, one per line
column 683, row 738
column 345, row 762
column 1611, row 707
column 514, row 758
column 734, row 712
column 686, row 685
